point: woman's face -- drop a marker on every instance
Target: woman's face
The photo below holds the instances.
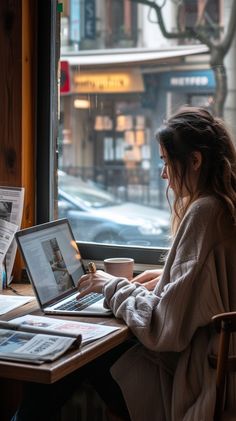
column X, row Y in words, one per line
column 166, row 171
column 173, row 175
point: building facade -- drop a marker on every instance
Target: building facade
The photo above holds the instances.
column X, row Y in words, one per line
column 120, row 77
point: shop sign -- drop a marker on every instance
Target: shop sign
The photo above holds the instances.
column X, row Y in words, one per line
column 108, row 82
column 90, row 19
column 75, row 20
column 65, row 77
column 189, row 81
column 194, row 80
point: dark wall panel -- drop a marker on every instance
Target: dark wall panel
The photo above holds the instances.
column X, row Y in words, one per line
column 10, row 92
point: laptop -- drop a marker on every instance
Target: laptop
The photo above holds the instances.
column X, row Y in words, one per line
column 54, row 267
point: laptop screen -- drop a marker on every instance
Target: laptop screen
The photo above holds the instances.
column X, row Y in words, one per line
column 52, row 259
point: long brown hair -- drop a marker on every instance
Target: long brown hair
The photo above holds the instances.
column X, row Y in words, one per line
column 195, row 129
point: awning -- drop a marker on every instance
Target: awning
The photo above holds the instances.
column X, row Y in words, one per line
column 130, row 55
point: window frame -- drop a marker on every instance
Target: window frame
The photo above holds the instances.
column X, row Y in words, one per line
column 47, row 109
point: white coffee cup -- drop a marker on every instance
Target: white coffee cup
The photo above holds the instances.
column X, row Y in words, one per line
column 120, row 266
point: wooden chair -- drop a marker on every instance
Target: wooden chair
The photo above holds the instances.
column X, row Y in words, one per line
column 225, row 324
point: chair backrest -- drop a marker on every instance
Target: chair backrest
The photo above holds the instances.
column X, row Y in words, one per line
column 225, row 324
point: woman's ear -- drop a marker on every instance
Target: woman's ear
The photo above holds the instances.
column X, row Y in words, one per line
column 196, row 160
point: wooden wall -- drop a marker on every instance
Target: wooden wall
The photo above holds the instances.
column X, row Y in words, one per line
column 18, row 76
column 18, row 52
column 17, row 104
column 11, row 92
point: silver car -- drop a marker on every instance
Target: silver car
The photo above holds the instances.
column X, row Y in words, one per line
column 98, row 216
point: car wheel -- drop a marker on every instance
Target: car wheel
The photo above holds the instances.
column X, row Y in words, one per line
column 109, row 237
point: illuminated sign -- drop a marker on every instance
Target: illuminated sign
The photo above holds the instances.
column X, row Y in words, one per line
column 112, row 82
column 189, row 81
column 195, row 80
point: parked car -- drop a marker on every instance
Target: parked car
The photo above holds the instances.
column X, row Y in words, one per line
column 98, row 216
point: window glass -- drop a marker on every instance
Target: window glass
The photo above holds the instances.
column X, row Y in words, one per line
column 120, row 78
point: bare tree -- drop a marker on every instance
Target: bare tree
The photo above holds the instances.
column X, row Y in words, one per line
column 218, row 45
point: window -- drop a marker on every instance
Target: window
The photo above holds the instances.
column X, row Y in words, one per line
column 108, row 182
column 204, row 13
column 120, row 23
column 113, row 97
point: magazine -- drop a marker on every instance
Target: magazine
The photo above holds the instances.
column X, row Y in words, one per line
column 33, row 347
column 55, row 325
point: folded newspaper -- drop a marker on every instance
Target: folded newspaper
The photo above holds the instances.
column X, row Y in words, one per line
column 39, row 339
column 11, row 209
column 19, row 344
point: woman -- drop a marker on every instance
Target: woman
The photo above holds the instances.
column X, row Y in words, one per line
column 169, row 377
column 165, row 376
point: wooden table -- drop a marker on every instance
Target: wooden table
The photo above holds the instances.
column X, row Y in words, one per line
column 12, row 374
column 72, row 359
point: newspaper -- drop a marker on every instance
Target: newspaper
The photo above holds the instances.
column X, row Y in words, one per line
column 33, row 348
column 89, row 331
column 7, row 232
column 10, row 302
column 11, row 209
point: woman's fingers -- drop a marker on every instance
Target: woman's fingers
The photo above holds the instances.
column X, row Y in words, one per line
column 84, row 280
column 142, row 277
column 84, row 291
column 147, row 275
column 85, row 285
column 150, row 285
column 93, row 282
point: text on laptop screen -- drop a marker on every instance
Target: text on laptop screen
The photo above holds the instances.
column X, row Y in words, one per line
column 53, row 259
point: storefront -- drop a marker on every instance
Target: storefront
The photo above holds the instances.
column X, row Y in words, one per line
column 110, row 114
column 193, row 87
column 113, row 129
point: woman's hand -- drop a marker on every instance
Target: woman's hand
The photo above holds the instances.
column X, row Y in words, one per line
column 148, row 278
column 93, row 282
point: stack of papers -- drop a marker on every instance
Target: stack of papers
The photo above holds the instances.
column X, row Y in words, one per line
column 10, row 302
column 38, row 339
column 89, row 331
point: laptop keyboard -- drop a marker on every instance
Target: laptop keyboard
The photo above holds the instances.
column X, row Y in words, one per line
column 81, row 303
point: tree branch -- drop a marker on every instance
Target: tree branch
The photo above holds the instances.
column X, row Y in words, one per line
column 226, row 42
column 218, row 49
column 200, row 34
column 170, row 35
column 197, row 32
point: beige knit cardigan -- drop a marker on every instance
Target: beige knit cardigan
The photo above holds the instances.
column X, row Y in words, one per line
column 166, row 376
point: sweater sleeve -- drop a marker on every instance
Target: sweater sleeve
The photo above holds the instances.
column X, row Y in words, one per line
column 166, row 319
